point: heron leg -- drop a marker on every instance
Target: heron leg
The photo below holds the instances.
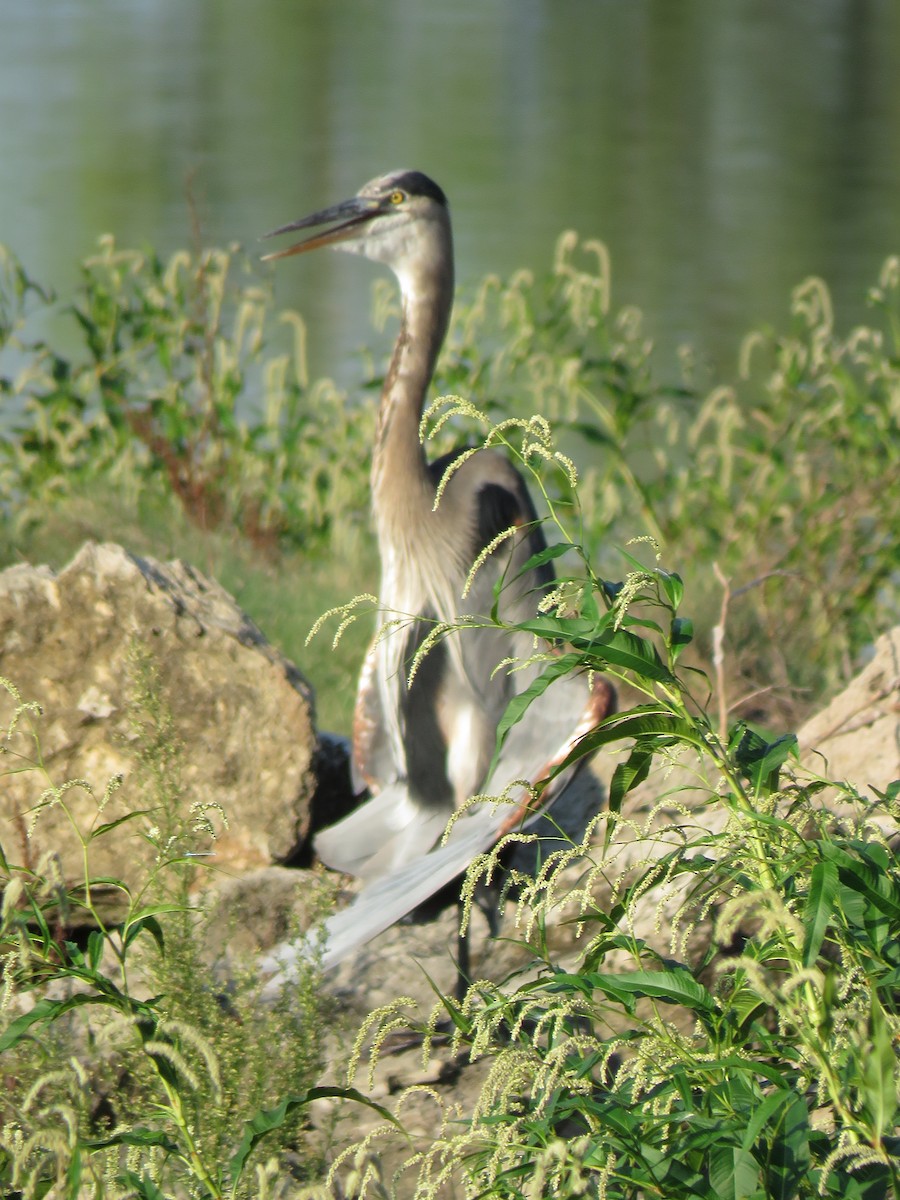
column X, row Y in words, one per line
column 487, row 901
column 463, row 958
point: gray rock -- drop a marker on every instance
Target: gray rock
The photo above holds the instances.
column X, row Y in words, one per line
column 857, row 737
column 241, row 714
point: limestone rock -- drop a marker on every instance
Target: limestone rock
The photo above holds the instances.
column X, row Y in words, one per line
column 857, row 737
column 241, row 715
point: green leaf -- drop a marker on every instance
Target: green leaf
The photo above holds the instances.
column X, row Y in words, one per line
column 760, row 761
column 675, row 986
column 733, row 1173
column 619, row 648
column 145, row 918
column 879, row 1090
column 100, row 830
column 49, row 1010
column 95, row 944
column 681, row 635
column 566, row 629
column 136, row 927
column 145, row 1188
column 135, row 1137
column 653, row 724
column 891, row 793
column 763, row 1112
column 864, row 878
column 789, row 1158
column 672, row 584
column 548, row 554
column 267, row 1120
column 823, row 890
column 636, row 563
column 520, row 703
column 73, row 1173
column 628, row 775
column 44, row 1010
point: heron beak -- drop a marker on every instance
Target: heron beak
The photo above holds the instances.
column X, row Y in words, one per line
column 348, row 217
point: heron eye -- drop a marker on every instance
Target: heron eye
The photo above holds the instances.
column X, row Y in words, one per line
column 397, row 197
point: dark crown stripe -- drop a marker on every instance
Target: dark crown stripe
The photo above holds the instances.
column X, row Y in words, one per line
column 415, row 183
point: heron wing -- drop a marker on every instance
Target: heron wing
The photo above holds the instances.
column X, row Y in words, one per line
column 537, row 745
column 380, row 835
column 372, row 763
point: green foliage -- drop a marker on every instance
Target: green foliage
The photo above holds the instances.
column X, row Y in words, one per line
column 730, row 1027
column 176, row 387
column 185, row 385
column 130, row 1067
column 781, row 481
column 753, row 1055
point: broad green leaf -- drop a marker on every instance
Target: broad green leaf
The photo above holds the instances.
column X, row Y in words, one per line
column 675, row 986
column 520, row 703
column 672, row 585
column 865, row 878
column 733, row 1173
column 823, row 889
column 763, row 1112
column 734, row 1064
column 628, row 775
column 644, row 722
column 874, row 853
column 879, row 1066
column 758, row 759
column 681, row 634
column 548, row 554
column 96, row 942
column 619, row 648
column 566, row 629
column 776, row 755
column 891, row 793
column 629, row 621
column 149, row 922
column 44, row 1010
column 789, row 1158
column 879, row 927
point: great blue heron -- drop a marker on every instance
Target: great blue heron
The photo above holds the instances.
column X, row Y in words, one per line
column 424, row 748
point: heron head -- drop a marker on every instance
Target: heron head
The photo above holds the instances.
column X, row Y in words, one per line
column 400, row 219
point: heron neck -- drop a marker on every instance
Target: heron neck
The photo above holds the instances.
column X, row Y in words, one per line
column 399, row 469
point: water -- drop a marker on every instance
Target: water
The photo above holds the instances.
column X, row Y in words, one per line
column 724, row 149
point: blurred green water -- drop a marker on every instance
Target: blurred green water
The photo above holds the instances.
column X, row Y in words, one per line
column 723, row 148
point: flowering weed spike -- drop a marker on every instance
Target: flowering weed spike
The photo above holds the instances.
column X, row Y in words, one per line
column 485, row 554
column 345, row 611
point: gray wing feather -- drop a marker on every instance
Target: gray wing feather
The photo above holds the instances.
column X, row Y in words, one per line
column 540, row 741
column 380, row 835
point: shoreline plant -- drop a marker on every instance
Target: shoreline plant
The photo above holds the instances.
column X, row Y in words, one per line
column 730, row 1028
column 186, row 392
column 132, row 1065
column 757, row 1062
